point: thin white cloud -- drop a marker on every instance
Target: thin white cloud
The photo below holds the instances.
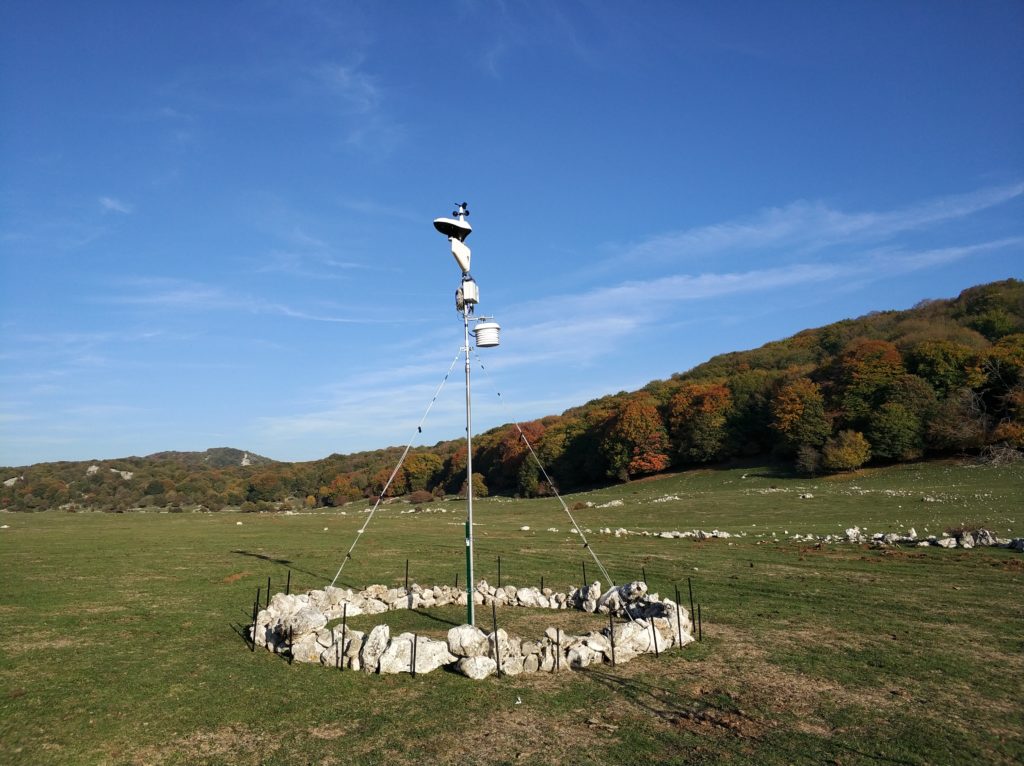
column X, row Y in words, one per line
column 356, row 90
column 112, row 205
column 814, row 226
column 172, row 294
column 376, row 209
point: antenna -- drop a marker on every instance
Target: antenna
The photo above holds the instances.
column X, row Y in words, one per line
column 486, row 332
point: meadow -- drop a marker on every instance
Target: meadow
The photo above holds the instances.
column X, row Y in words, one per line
column 122, row 633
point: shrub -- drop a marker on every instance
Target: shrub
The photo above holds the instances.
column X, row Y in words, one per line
column 846, row 451
column 419, row 497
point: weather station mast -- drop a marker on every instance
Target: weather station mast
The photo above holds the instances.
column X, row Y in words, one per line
column 486, row 333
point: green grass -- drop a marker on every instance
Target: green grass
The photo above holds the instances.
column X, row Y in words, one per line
column 121, row 643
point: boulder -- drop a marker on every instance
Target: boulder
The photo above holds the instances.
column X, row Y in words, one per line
column 581, row 656
column 513, row 665
column 306, row 649
column 468, row 641
column 597, row 643
column 430, row 654
column 306, row 620
column 631, row 638
column 984, row 537
column 373, row 648
column 476, row 667
column 528, row 597
column 946, row 542
column 373, row 606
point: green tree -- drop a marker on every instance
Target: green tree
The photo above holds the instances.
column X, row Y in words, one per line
column 946, row 366
column 895, row 433
column 422, row 470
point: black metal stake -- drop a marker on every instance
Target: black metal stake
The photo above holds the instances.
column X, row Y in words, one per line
column 259, row 595
column 654, row 638
column 611, row 635
column 344, row 631
column 255, row 612
column 542, row 583
column 291, row 646
column 268, row 593
column 499, row 571
column 558, row 648
column 497, row 653
column 414, row 655
column 407, row 575
column 584, row 575
column 700, row 625
column 288, row 585
column 456, row 581
column 692, row 613
column 643, row 574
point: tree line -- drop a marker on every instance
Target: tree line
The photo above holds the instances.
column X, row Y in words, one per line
column 946, row 377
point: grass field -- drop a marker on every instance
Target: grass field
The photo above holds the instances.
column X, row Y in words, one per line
column 121, row 643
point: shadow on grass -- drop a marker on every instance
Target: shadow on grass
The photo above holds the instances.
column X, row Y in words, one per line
column 657, row 700
column 435, row 617
column 720, row 710
column 282, row 562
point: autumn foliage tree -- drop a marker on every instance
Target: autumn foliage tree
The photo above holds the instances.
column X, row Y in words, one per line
column 697, row 417
column 636, row 441
column 798, row 415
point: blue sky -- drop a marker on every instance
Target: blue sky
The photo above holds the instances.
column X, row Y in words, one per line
column 215, row 217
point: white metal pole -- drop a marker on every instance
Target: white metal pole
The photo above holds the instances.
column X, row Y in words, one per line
column 469, row 479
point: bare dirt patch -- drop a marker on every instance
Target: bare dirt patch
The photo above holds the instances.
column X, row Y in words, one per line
column 233, row 578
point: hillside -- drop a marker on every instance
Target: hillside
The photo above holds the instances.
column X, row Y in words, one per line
column 215, row 457
column 943, row 378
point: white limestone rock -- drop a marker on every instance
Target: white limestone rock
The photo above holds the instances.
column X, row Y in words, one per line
column 430, row 654
column 468, row 641
column 308, row 619
column 581, row 656
column 306, row 649
column 477, row 668
column 373, row 647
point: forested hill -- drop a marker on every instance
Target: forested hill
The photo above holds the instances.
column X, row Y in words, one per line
column 946, row 377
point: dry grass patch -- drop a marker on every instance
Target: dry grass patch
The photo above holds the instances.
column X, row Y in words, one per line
column 234, row 744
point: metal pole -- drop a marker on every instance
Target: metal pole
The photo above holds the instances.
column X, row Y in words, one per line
column 469, row 478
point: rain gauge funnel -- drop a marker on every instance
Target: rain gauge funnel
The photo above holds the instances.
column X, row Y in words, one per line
column 487, row 334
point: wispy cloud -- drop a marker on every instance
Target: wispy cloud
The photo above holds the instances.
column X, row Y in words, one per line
column 112, row 205
column 180, row 295
column 380, row 210
column 355, row 90
column 810, row 226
